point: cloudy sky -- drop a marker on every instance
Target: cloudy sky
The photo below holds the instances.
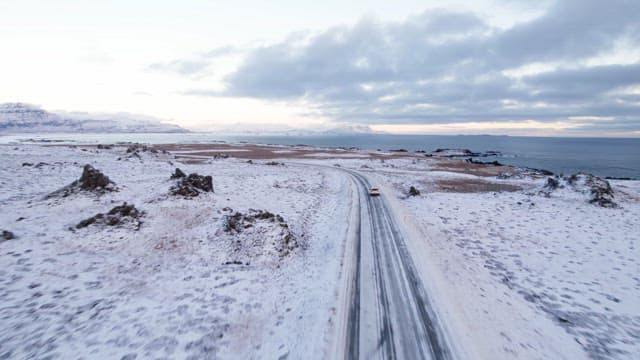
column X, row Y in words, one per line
column 569, row 68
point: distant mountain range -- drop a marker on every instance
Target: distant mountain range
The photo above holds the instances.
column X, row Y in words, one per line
column 26, row 118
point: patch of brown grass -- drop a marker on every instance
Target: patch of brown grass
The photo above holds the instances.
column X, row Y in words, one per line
column 266, row 152
column 191, row 161
column 473, row 186
column 463, row 167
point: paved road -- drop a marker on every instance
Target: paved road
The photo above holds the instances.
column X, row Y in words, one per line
column 390, row 316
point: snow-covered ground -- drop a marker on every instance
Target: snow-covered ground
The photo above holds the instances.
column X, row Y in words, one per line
column 519, row 273
column 517, row 270
column 180, row 286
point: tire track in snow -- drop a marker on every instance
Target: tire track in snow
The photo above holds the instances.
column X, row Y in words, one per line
column 390, row 315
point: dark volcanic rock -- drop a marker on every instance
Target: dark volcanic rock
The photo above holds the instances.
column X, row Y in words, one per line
column 178, row 174
column 239, row 221
column 8, row 235
column 540, row 171
column 603, row 195
column 494, row 162
column 455, row 153
column 598, row 188
column 124, row 210
column 234, row 223
column 552, row 184
column 192, row 185
column 492, row 153
column 137, row 148
column 452, row 153
column 92, row 180
column 619, row 178
column 119, row 215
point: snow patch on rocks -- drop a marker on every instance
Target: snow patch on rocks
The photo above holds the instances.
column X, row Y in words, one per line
column 598, row 191
column 258, row 235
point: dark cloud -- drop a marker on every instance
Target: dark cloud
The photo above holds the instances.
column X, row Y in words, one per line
column 594, row 80
column 570, row 29
column 441, row 67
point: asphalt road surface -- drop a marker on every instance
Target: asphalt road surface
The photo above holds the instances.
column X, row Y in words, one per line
column 390, row 316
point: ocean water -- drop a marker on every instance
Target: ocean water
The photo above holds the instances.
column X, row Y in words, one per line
column 607, row 157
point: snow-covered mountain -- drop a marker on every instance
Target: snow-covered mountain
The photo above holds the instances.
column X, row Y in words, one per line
column 26, row 118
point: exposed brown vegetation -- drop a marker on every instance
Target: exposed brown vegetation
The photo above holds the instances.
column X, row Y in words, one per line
column 473, row 186
column 267, row 152
column 463, row 167
column 198, row 153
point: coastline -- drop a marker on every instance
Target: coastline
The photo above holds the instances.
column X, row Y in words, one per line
column 605, row 157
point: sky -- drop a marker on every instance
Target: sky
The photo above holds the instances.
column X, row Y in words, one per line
column 550, row 68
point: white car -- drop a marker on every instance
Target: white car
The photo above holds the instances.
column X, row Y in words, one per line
column 374, row 192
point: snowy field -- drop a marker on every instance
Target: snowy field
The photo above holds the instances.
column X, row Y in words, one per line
column 180, row 286
column 520, row 271
column 517, row 269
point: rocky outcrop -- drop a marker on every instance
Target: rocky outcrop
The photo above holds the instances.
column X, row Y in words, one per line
column 140, row 148
column 552, row 184
column 492, row 163
column 118, row 216
column 522, row 172
column 599, row 190
column 178, row 174
column 452, row 153
column 237, row 222
column 190, row 186
column 135, row 151
column 413, row 191
column 92, row 180
column 259, row 228
column 7, row 235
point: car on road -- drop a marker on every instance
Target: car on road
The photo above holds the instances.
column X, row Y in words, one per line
column 374, row 192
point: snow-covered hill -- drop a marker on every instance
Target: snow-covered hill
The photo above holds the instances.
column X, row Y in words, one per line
column 26, row 118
